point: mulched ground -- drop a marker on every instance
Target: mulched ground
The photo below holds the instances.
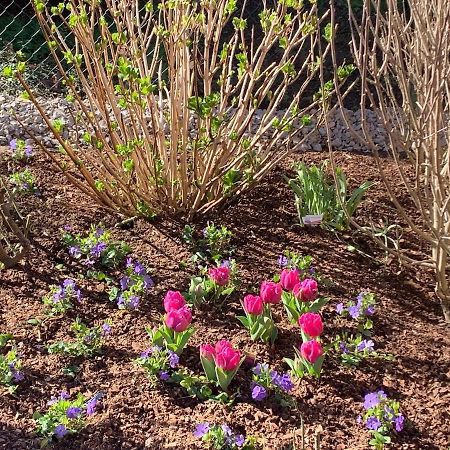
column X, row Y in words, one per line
column 133, row 415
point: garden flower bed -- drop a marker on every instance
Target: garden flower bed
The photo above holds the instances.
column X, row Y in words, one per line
column 123, row 408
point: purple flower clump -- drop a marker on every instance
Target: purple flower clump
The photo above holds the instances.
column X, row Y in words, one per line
column 282, row 381
column 399, row 423
column 373, row 423
column 173, row 359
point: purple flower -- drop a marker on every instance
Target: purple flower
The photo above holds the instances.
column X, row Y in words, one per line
column 129, row 262
column 259, row 393
column 227, row 430
column 343, row 347
column 28, row 151
column 68, row 283
column 173, row 359
column 340, row 308
column 90, row 406
column 225, row 263
column 163, row 375
column 13, row 144
column 17, row 375
column 359, row 419
column 99, row 232
column 148, row 282
column 106, row 329
column 89, row 262
column 239, row 440
column 124, row 283
column 74, row 251
column 283, row 381
column 139, row 269
column 98, row 249
column 354, row 311
column 399, row 423
column 133, row 302
column 64, row 395
column 373, row 423
column 366, row 344
column 73, row 412
column 146, row 353
column 201, row 429
column 360, row 298
column 67, row 228
column 373, row 399
column 283, row 261
column 370, row 311
column 260, row 368
column 60, row 431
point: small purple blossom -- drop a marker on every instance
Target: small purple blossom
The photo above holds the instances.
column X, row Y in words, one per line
column 28, row 151
column 259, row 393
column 90, row 406
column 98, row 249
column 13, row 144
column 163, row 375
column 64, row 395
column 282, row 381
column 373, row 399
column 343, row 348
column 227, row 430
column 225, row 263
column 399, row 423
column 373, row 423
column 60, row 431
column 74, row 251
column 73, row 412
column 283, row 261
column 17, row 375
column 173, row 359
column 148, row 282
column 366, row 344
column 201, row 429
column 340, row 308
column 146, row 353
column 99, row 232
column 239, row 440
column 139, row 269
column 260, row 368
column 106, row 329
column 354, row 311
column 370, row 311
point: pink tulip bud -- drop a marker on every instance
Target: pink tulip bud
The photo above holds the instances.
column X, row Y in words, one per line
column 179, row 319
column 311, row 351
column 270, row 292
column 207, row 351
column 228, row 359
column 173, row 300
column 306, row 290
column 311, row 324
column 253, row 304
column 220, row 275
column 289, row 278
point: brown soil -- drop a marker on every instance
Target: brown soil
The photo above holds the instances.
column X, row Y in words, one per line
column 133, row 415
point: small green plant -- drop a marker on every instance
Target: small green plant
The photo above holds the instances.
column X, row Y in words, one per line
column 64, row 416
column 97, row 247
column 88, row 340
column 60, row 298
column 21, row 151
column 10, row 364
column 322, row 200
column 213, row 246
column 362, row 311
column 222, row 437
column 23, row 182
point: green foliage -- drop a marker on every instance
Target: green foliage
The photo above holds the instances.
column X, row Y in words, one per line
column 88, row 341
column 316, row 193
column 10, row 364
column 23, row 182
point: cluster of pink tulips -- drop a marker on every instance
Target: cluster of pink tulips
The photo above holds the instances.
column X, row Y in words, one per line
column 309, row 357
column 299, row 295
column 258, row 315
column 177, row 329
column 220, row 362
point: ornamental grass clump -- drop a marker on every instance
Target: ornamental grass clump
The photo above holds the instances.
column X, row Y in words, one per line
column 169, row 93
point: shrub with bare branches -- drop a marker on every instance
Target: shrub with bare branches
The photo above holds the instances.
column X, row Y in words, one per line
column 169, row 96
column 402, row 51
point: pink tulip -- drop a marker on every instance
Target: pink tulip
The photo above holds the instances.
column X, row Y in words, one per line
column 173, row 300
column 289, row 278
column 306, row 290
column 228, row 359
column 311, row 324
column 270, row 292
column 207, row 351
column 311, row 351
column 222, row 345
column 253, row 304
column 220, row 275
column 179, row 319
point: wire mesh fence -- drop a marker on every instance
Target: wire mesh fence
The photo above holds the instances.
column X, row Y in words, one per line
column 21, row 38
